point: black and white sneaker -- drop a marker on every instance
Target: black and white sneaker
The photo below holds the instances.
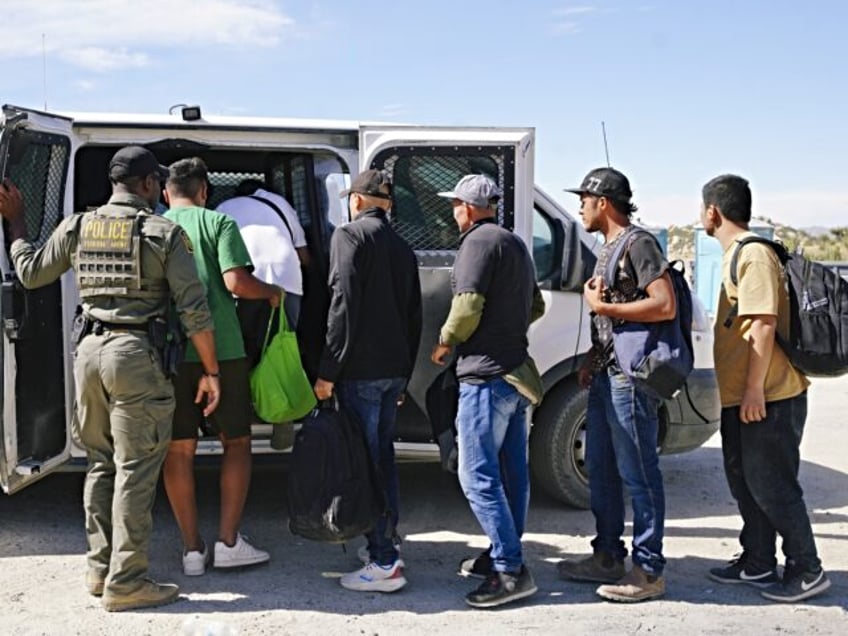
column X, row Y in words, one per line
column 797, row 586
column 736, row 571
column 501, row 588
column 479, row 567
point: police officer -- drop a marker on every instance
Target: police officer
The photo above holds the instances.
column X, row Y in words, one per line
column 128, row 264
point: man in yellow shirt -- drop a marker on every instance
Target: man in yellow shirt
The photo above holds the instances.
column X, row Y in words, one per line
column 764, row 407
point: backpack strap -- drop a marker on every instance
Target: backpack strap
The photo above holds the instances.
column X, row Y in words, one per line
column 630, row 235
column 779, row 250
column 276, row 209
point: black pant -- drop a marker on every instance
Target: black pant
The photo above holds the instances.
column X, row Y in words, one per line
column 761, row 461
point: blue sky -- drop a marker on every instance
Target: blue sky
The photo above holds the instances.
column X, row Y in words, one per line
column 688, row 90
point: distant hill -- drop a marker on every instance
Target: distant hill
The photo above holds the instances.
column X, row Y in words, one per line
column 815, row 231
column 818, row 244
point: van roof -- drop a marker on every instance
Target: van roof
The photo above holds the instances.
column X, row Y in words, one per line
column 96, row 119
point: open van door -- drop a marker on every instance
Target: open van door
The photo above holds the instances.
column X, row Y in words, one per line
column 423, row 161
column 35, row 153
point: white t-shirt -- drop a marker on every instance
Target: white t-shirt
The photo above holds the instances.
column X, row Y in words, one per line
column 268, row 241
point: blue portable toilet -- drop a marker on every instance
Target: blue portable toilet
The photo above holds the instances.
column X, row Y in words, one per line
column 708, row 256
column 661, row 234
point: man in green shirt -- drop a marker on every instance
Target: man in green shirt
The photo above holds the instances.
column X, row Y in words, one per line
column 224, row 267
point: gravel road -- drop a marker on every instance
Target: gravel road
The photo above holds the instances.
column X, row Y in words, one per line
column 42, row 542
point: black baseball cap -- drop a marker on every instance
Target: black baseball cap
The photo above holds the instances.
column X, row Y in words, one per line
column 135, row 161
column 605, row 182
column 375, row 183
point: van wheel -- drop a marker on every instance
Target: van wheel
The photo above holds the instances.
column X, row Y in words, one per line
column 558, row 445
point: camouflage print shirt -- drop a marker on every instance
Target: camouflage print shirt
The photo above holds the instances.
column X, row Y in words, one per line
column 641, row 263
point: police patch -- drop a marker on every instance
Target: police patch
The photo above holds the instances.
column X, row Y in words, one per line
column 187, row 242
column 111, row 235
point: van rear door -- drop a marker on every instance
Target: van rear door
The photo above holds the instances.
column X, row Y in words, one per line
column 422, row 162
column 36, row 154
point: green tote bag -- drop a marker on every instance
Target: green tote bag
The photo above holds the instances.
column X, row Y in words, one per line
column 280, row 389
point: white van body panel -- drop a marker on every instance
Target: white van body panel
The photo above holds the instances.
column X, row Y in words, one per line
column 558, row 340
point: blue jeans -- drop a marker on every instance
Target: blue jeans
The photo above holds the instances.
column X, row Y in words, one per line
column 761, row 461
column 621, row 452
column 374, row 402
column 491, row 425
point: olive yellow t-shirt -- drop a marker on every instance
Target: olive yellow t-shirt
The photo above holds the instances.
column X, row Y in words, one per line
column 761, row 291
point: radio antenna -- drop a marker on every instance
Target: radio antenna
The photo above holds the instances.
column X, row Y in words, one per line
column 606, row 147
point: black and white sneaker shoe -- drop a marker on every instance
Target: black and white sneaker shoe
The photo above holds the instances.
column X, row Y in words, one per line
column 736, row 571
column 501, row 588
column 797, row 586
column 479, row 567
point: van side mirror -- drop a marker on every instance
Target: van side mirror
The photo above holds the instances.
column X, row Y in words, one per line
column 578, row 260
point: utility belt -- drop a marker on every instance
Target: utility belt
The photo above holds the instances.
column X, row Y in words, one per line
column 97, row 327
column 165, row 336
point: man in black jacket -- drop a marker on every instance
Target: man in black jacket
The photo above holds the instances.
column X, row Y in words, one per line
column 373, row 332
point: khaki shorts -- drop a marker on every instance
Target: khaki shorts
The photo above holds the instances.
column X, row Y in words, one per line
column 232, row 417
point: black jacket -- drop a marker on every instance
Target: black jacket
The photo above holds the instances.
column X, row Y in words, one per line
column 374, row 322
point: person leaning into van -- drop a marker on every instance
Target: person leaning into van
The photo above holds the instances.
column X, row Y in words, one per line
column 495, row 300
column 124, row 404
column 224, row 266
column 764, row 407
column 373, row 333
column 621, row 418
column 276, row 242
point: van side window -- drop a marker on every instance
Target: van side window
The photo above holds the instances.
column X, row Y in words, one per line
column 223, row 185
column 40, row 176
column 543, row 245
column 420, row 216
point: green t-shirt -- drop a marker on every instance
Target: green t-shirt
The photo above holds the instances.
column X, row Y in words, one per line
column 217, row 247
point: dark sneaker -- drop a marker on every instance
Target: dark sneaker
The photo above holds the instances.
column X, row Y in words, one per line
column 797, row 587
column 736, row 572
column 637, row 585
column 150, row 594
column 599, row 567
column 479, row 567
column 501, row 588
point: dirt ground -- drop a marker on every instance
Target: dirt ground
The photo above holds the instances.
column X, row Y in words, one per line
column 42, row 541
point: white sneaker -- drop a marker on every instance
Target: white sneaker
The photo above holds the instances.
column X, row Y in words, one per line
column 195, row 561
column 241, row 554
column 375, row 578
column 364, row 555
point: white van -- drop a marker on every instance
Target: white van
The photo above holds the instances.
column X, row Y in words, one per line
column 60, row 164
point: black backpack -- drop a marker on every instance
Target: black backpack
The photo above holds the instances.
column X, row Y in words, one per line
column 818, row 312
column 333, row 493
column 657, row 356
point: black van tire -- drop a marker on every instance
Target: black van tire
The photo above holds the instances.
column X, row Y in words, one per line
column 558, row 445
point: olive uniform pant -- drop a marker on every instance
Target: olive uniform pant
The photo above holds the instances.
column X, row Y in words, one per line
column 124, row 417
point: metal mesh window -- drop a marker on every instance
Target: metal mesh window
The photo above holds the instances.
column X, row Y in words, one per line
column 289, row 178
column 224, row 185
column 424, row 219
column 40, row 176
